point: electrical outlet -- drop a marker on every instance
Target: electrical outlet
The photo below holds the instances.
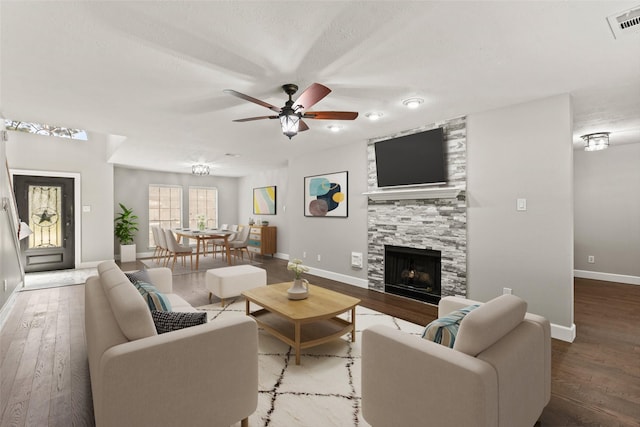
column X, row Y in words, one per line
column 319, row 257
column 591, row 259
column 506, row 291
column 304, row 254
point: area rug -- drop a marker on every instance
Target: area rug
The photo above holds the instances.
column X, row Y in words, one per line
column 52, row 279
column 324, row 390
column 205, row 263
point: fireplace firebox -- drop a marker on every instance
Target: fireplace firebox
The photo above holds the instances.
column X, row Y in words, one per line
column 412, row 273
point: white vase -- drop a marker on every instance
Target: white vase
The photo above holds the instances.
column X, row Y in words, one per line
column 299, row 289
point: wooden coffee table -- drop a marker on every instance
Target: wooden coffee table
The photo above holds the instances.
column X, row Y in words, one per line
column 284, row 318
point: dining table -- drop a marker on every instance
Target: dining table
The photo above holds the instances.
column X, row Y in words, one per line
column 201, row 237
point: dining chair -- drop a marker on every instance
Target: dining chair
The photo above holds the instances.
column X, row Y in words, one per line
column 163, row 254
column 176, row 249
column 241, row 242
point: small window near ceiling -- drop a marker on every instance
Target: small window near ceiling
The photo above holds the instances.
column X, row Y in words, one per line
column 203, row 207
column 44, row 129
column 165, row 208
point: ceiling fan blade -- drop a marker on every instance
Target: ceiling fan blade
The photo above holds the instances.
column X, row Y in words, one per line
column 252, row 99
column 249, row 119
column 330, row 115
column 312, row 95
column 302, row 126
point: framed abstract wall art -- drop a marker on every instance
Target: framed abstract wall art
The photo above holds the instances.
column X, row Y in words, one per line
column 264, row 200
column 326, row 195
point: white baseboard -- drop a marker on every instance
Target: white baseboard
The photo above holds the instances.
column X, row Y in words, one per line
column 361, row 283
column 8, row 306
column 563, row 333
column 607, row 277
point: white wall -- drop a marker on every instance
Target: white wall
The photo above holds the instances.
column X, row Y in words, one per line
column 279, row 178
column 10, row 269
column 131, row 188
column 89, row 159
column 607, row 213
column 524, row 151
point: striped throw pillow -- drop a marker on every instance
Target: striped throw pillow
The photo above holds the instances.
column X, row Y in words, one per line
column 444, row 329
column 154, row 298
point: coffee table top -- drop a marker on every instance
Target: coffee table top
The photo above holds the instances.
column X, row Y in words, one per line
column 320, row 304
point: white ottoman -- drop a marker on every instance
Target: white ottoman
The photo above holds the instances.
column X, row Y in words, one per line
column 228, row 282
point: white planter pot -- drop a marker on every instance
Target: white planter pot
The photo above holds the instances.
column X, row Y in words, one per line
column 128, row 253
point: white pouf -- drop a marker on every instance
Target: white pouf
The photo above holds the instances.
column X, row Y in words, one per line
column 228, row 282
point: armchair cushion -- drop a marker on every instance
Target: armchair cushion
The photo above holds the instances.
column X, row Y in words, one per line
column 140, row 275
column 167, row 321
column 444, row 329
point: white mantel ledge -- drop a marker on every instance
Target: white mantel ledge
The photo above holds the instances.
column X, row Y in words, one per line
column 414, row 193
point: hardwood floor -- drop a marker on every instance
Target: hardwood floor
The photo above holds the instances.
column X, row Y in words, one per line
column 44, row 377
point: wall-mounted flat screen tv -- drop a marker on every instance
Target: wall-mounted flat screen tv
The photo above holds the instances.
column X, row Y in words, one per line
column 412, row 160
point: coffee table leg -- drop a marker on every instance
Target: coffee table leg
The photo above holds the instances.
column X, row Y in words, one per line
column 353, row 324
column 297, row 341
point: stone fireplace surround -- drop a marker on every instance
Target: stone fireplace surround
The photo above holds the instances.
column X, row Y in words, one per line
column 425, row 223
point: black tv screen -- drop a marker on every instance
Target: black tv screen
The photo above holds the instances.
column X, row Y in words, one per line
column 416, row 159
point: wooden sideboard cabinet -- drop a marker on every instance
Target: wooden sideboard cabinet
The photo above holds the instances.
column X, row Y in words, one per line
column 262, row 240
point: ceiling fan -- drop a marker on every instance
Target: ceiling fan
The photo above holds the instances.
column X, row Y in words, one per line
column 293, row 112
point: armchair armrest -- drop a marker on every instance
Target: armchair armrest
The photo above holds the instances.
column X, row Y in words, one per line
column 162, row 278
column 207, row 374
column 407, row 380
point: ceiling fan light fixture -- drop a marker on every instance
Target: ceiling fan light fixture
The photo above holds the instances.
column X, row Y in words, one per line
column 374, row 115
column 200, row 169
column 290, row 124
column 596, row 141
column 412, row 102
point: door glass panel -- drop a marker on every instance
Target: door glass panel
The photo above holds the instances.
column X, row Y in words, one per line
column 45, row 205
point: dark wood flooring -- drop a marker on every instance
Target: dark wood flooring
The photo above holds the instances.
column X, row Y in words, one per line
column 44, row 378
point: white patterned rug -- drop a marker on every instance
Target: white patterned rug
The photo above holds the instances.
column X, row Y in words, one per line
column 324, row 390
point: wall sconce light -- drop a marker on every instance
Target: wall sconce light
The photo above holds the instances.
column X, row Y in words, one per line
column 596, row 141
column 200, row 169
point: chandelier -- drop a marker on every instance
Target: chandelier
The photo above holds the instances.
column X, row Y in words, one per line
column 596, row 141
column 200, row 169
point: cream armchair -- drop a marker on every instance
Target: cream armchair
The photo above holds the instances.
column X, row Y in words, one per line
column 497, row 374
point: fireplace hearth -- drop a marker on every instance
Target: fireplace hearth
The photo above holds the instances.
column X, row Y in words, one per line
column 413, row 273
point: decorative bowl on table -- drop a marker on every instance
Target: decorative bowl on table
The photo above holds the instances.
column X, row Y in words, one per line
column 265, row 223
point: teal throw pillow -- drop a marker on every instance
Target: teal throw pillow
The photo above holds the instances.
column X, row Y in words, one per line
column 444, row 329
column 155, row 299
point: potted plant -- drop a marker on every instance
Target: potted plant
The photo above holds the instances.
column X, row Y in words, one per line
column 126, row 225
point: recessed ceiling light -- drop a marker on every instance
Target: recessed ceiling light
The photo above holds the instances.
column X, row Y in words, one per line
column 374, row 115
column 413, row 102
column 335, row 128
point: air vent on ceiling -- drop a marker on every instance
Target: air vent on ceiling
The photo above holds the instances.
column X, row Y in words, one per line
column 625, row 23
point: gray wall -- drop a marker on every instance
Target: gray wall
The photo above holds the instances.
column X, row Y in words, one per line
column 524, row 151
column 279, row 178
column 132, row 189
column 332, row 238
column 89, row 159
column 607, row 211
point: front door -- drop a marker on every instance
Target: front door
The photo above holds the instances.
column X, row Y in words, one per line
column 46, row 204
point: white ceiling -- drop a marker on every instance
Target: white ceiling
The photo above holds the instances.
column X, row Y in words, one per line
column 154, row 72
